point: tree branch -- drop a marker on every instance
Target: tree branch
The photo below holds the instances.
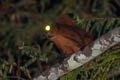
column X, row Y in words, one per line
column 78, row 59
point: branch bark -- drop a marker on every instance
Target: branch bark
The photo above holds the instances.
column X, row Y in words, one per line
column 78, row 59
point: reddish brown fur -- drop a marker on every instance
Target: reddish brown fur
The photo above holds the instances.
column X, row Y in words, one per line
column 69, row 37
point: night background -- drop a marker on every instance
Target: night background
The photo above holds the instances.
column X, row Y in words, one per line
column 26, row 51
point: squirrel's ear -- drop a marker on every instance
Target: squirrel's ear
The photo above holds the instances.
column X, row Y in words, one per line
column 65, row 19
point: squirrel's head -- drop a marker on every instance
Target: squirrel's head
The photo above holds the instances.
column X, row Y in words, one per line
column 58, row 25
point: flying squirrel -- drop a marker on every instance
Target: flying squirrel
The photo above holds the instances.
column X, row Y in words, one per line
column 67, row 36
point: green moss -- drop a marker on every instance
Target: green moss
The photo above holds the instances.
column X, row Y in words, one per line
column 98, row 69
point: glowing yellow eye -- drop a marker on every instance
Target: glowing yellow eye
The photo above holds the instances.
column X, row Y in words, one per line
column 47, row 28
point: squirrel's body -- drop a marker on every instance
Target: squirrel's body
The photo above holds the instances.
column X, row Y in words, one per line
column 69, row 37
